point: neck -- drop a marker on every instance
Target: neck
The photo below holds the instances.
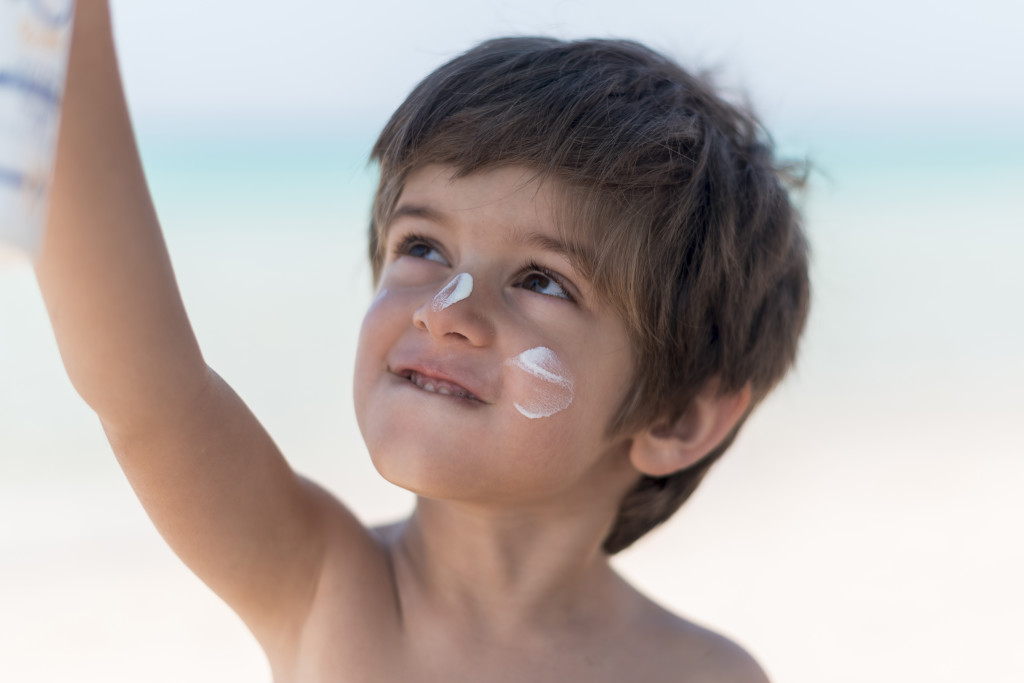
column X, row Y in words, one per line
column 507, row 569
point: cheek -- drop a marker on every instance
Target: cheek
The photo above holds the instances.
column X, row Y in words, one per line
column 535, row 398
column 541, row 385
column 383, row 319
column 379, row 324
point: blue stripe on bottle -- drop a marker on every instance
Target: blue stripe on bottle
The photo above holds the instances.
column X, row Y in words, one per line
column 54, row 17
column 8, row 176
column 27, row 85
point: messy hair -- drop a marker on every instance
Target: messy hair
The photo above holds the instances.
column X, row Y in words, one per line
column 690, row 233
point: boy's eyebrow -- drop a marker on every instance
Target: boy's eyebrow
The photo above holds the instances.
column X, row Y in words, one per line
column 580, row 255
column 416, row 211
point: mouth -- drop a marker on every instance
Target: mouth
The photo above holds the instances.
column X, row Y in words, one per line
column 436, row 385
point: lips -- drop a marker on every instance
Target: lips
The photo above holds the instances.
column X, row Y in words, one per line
column 436, row 385
column 436, row 381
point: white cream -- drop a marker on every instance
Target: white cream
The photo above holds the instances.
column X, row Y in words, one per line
column 550, row 391
column 455, row 291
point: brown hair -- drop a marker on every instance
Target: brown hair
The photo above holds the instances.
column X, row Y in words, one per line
column 689, row 230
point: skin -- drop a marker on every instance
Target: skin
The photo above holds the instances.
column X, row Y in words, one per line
column 498, row 574
column 488, row 225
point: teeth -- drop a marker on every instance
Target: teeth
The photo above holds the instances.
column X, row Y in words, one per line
column 439, row 386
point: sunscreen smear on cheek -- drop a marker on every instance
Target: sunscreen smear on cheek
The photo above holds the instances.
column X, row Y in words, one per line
column 549, row 388
column 455, row 291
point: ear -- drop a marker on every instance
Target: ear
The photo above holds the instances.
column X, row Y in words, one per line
column 667, row 448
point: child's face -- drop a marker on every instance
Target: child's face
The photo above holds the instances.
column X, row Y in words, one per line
column 487, row 369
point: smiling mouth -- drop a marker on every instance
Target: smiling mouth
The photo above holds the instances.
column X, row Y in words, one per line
column 438, row 386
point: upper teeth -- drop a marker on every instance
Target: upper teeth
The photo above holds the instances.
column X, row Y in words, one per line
column 439, row 386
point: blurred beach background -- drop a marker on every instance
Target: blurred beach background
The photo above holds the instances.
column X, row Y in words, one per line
column 866, row 526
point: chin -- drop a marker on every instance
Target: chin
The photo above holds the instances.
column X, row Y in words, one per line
column 424, row 464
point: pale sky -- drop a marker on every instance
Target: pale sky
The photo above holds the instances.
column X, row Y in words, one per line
column 869, row 61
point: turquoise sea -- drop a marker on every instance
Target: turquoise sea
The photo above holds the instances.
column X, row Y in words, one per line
column 869, row 515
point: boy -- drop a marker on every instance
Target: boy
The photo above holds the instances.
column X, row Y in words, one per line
column 588, row 273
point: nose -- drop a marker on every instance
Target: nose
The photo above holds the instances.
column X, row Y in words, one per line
column 458, row 311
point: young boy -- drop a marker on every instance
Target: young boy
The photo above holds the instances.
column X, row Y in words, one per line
column 588, row 272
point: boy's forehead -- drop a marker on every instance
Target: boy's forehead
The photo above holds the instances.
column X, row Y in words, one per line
column 528, row 206
column 443, row 192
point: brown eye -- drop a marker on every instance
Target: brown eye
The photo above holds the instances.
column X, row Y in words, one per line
column 421, row 250
column 542, row 283
column 418, row 247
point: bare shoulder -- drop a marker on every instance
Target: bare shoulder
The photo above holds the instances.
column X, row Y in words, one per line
column 690, row 653
column 720, row 660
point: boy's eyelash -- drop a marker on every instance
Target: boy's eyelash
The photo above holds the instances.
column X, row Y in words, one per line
column 533, row 266
column 410, row 240
column 407, row 241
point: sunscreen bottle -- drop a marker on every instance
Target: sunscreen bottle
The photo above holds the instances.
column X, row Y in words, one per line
column 35, row 37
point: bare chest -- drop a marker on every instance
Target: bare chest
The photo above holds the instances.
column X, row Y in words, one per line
column 357, row 650
column 385, row 661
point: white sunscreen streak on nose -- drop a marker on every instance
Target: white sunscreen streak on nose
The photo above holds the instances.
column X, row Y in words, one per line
column 455, row 291
column 553, row 393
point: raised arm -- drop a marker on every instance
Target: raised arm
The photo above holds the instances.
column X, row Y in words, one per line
column 209, row 476
column 104, row 270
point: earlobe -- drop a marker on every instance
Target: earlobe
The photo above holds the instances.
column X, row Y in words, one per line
column 665, row 448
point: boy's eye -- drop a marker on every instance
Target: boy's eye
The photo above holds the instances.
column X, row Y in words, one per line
column 537, row 280
column 419, row 247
